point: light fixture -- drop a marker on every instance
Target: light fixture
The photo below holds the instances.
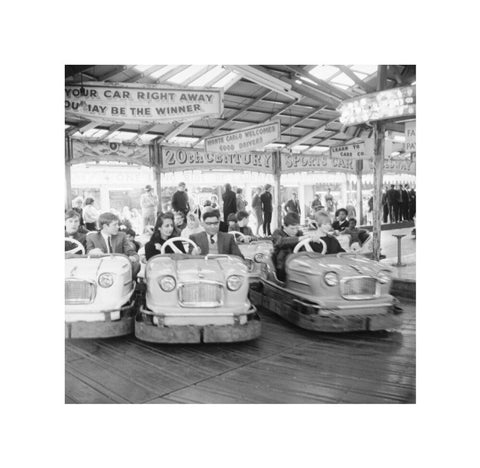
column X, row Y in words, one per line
column 265, row 80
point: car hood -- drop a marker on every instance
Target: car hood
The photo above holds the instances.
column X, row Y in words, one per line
column 249, row 250
column 89, row 268
column 344, row 265
column 188, row 268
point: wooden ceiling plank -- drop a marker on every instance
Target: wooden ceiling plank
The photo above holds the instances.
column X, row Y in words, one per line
column 365, row 86
column 309, row 135
column 197, row 75
column 144, row 74
column 216, row 78
column 171, row 73
column 111, row 130
column 302, row 119
column 113, row 72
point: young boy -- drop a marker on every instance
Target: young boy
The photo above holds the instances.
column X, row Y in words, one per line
column 242, row 218
column 232, row 222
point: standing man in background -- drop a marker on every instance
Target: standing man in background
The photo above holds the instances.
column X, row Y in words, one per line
column 149, row 203
column 229, row 202
column 180, row 200
column 292, row 205
column 405, row 203
column 267, row 208
column 392, row 203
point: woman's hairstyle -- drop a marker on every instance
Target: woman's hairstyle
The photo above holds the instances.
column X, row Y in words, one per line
column 161, row 219
column 239, row 190
column 71, row 214
column 290, row 219
column 89, row 201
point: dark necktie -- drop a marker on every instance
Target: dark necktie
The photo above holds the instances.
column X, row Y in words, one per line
column 211, row 240
column 110, row 250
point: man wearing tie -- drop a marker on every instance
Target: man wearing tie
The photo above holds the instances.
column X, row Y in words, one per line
column 212, row 241
column 110, row 240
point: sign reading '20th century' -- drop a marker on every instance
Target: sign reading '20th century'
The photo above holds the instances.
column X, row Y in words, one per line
column 136, row 103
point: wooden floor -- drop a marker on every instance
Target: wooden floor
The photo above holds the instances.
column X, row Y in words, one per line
column 285, row 365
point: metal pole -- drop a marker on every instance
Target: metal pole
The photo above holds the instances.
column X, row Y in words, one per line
column 359, row 191
column 277, row 195
column 68, row 176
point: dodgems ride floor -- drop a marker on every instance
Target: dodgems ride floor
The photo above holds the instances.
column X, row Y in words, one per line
column 284, row 365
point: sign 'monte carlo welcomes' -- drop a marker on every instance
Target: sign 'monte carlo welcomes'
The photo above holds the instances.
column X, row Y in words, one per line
column 244, row 140
column 137, row 103
column 181, row 159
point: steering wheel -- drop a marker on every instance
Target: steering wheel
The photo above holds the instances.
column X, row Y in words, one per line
column 239, row 234
column 305, row 243
column 79, row 247
column 170, row 243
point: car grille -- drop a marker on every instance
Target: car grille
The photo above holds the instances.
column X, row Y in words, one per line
column 79, row 292
column 201, row 295
column 359, row 288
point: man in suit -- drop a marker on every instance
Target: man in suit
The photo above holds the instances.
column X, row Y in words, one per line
column 73, row 230
column 341, row 223
column 267, row 208
column 180, row 200
column 110, row 240
column 213, row 241
column 406, row 203
column 229, row 202
column 392, row 203
column 292, row 205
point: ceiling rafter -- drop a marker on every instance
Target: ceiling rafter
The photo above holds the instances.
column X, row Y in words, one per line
column 171, row 73
column 319, row 142
column 175, row 131
column 89, row 126
column 197, row 75
column 302, row 119
column 309, row 135
column 113, row 72
column 111, row 130
column 143, row 130
column 216, row 78
column 365, row 86
column 145, row 74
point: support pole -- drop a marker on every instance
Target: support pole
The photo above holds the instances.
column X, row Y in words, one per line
column 277, row 196
column 379, row 156
column 157, row 172
column 68, row 176
column 359, row 192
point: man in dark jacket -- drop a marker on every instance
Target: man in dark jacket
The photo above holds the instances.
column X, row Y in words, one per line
column 392, row 203
column 405, row 202
column 180, row 199
column 341, row 223
column 229, row 202
column 413, row 203
column 385, row 205
column 267, row 208
column 292, row 205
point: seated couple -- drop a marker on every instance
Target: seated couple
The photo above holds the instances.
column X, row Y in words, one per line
column 289, row 235
column 210, row 241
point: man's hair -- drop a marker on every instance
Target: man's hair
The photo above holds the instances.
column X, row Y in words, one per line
column 239, row 190
column 340, row 210
column 181, row 184
column 211, row 214
column 228, row 187
column 352, row 220
column 232, row 217
column 71, row 214
column 89, row 201
column 290, row 219
column 242, row 214
column 294, row 193
column 392, row 186
column 130, row 232
column 107, row 218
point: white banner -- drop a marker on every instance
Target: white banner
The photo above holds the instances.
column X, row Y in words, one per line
column 85, row 151
column 316, row 162
column 411, row 136
column 244, row 140
column 137, row 103
column 353, row 151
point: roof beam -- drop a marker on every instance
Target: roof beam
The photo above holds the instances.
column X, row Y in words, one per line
column 299, row 121
column 197, row 75
column 111, row 130
column 175, row 131
column 216, row 78
column 88, row 126
column 233, row 117
column 113, row 72
column 143, row 130
column 307, row 137
column 365, row 86
column 144, row 74
column 72, row 70
column 171, row 73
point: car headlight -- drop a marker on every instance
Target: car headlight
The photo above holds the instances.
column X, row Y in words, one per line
column 234, row 282
column 331, row 278
column 383, row 276
column 105, row 280
column 259, row 257
column 167, row 283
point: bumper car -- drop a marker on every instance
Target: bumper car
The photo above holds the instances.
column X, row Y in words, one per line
column 255, row 253
column 99, row 300
column 329, row 293
column 196, row 299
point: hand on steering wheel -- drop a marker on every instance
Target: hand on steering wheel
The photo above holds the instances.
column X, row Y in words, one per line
column 305, row 243
column 242, row 236
column 170, row 243
column 79, row 246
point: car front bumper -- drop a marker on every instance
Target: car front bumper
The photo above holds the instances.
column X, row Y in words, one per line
column 147, row 330
column 105, row 328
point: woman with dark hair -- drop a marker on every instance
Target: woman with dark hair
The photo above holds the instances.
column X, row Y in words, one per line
column 164, row 230
column 90, row 214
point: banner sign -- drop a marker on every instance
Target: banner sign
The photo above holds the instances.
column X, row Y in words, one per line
column 244, row 140
column 184, row 159
column 141, row 103
column 86, row 151
column 353, row 151
column 394, row 166
column 411, row 136
column 316, row 162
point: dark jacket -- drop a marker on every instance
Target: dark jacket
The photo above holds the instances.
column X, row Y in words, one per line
column 392, row 196
column 229, row 203
column 226, row 243
column 283, row 246
column 340, row 226
column 266, row 199
column 293, row 206
column 120, row 243
column 180, row 202
column 151, row 249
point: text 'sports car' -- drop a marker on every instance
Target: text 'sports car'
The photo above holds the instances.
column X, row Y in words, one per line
column 99, row 299
column 192, row 299
column 330, row 293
